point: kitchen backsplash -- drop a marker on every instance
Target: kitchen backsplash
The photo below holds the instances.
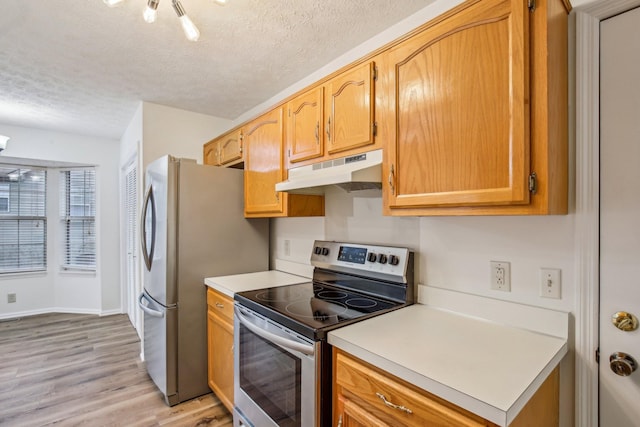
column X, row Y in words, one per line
column 453, row 252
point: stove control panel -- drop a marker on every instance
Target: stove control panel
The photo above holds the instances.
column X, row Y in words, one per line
column 357, row 258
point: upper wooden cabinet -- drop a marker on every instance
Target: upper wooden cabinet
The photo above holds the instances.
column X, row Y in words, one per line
column 334, row 118
column 226, row 150
column 305, row 138
column 263, row 168
column 478, row 118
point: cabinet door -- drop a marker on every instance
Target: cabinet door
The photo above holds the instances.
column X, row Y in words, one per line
column 225, row 150
column 221, row 358
column 210, row 347
column 230, row 148
column 210, row 153
column 349, row 108
column 460, row 121
column 263, row 164
column 350, row 414
column 304, row 121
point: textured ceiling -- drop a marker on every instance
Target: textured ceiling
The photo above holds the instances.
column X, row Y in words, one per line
column 79, row 66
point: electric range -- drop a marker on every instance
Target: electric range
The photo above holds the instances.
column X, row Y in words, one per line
column 282, row 359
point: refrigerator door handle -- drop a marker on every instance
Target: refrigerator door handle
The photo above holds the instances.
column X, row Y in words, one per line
column 148, row 252
column 146, row 309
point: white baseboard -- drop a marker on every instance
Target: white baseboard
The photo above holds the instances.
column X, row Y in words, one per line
column 26, row 313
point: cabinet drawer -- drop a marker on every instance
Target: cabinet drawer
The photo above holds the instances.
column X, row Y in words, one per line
column 220, row 303
column 405, row 404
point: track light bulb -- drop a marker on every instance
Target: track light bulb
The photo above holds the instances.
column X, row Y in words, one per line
column 112, row 3
column 190, row 30
column 151, row 12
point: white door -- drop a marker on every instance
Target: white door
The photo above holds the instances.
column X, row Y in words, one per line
column 131, row 232
column 619, row 218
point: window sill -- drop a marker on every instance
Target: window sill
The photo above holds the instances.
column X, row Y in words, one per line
column 78, row 272
column 23, row 275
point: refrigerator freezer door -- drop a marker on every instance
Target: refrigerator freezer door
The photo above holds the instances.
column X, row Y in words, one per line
column 160, row 346
column 158, row 230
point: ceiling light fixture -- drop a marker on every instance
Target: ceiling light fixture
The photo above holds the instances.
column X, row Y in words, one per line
column 151, row 13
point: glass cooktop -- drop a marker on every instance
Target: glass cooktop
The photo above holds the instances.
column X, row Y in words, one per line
column 313, row 308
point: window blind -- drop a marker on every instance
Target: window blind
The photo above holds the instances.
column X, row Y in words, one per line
column 131, row 204
column 23, row 221
column 77, row 212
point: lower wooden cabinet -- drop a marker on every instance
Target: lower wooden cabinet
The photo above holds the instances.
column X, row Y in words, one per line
column 365, row 395
column 220, row 346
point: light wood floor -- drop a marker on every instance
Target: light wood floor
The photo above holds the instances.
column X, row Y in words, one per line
column 85, row 370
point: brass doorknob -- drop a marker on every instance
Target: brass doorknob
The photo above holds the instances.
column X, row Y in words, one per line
column 625, row 321
column 622, row 364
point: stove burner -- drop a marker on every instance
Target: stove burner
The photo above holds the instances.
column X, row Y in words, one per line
column 332, row 294
column 361, row 302
column 278, row 295
column 316, row 309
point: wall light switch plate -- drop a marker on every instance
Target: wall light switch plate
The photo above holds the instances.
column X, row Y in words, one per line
column 550, row 283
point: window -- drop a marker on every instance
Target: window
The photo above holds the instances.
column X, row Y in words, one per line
column 23, row 221
column 78, row 211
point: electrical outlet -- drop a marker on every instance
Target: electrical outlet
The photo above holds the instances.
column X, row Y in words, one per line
column 500, row 276
column 287, row 247
column 550, row 283
column 11, row 298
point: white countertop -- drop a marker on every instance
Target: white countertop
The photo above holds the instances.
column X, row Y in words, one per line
column 487, row 367
column 229, row 285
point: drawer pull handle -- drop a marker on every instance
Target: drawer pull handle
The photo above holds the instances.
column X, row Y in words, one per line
column 393, row 405
column 219, row 305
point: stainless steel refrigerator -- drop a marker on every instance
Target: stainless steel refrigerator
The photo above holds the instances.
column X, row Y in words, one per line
column 193, row 227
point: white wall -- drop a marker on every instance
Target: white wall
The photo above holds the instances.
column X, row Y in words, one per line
column 181, row 133
column 57, row 291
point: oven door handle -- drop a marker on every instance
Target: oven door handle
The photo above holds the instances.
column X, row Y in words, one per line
column 276, row 339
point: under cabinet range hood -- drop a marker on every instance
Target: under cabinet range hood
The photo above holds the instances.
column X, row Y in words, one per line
column 358, row 172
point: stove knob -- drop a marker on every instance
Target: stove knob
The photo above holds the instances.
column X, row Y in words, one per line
column 393, row 260
column 325, row 251
column 382, row 259
column 372, row 257
column 317, row 250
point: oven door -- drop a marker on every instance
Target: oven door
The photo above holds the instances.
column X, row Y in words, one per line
column 275, row 373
